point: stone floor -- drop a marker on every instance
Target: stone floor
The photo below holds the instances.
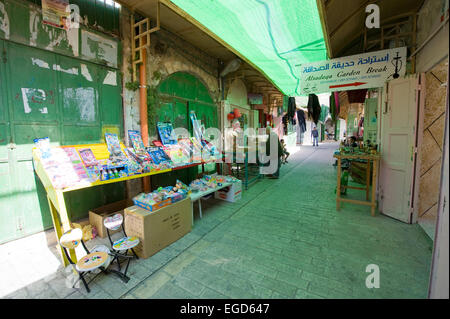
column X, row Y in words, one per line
column 284, row 239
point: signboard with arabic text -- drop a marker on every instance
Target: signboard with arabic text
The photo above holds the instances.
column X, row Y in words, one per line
column 362, row 71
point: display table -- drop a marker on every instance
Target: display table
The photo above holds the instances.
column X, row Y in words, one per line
column 55, row 196
column 197, row 197
column 370, row 158
column 251, row 170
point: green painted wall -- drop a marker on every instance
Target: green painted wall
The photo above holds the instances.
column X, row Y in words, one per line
column 49, row 86
column 25, row 26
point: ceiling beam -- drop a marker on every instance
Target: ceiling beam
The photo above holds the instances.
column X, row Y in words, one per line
column 382, row 22
column 323, row 22
column 357, row 10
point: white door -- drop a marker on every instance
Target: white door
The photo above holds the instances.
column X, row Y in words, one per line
column 398, row 149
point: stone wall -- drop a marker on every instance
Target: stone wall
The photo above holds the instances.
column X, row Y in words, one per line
column 432, row 59
column 431, row 147
column 167, row 54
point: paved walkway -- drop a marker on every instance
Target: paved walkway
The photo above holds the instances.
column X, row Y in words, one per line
column 284, row 239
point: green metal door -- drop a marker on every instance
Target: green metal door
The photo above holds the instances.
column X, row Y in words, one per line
column 370, row 120
column 50, row 95
column 179, row 94
column 32, row 100
column 7, row 213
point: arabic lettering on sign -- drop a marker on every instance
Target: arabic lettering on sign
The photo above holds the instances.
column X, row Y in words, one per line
column 347, row 64
column 368, row 70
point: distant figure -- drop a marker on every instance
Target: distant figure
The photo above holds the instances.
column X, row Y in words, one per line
column 285, row 153
column 279, row 150
column 327, row 135
column 315, row 136
column 352, row 142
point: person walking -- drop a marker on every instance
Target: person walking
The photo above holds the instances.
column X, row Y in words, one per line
column 285, row 153
column 315, row 136
column 272, row 135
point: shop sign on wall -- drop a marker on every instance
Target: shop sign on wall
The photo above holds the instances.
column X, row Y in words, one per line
column 56, row 13
column 362, row 71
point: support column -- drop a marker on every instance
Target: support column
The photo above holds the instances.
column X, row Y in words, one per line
column 143, row 114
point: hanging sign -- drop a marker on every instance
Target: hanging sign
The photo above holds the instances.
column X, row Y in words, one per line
column 54, row 13
column 255, row 98
column 362, row 71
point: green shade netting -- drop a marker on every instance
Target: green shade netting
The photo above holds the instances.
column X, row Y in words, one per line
column 275, row 35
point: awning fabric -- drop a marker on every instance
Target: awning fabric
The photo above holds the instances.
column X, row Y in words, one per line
column 276, row 36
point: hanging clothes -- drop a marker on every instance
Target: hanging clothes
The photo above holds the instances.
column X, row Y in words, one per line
column 333, row 111
column 301, row 121
column 291, row 108
column 361, row 127
column 314, row 108
column 285, row 124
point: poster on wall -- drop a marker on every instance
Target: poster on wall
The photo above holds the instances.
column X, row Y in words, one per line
column 361, row 71
column 54, row 13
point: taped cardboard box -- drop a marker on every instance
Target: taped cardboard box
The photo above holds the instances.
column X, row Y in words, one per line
column 158, row 229
column 231, row 193
column 96, row 216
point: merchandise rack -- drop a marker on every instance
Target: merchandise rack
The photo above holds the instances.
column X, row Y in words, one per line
column 55, row 196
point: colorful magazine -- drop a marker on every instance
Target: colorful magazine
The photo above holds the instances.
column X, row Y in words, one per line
column 136, row 141
column 88, row 157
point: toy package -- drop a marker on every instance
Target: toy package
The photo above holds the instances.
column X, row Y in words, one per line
column 166, row 135
column 158, row 156
column 196, row 150
column 43, row 145
column 197, row 127
column 176, row 155
column 57, row 164
column 115, row 151
column 186, row 147
column 162, row 196
column 138, row 144
column 108, row 172
column 210, row 181
column 88, row 157
column 77, row 164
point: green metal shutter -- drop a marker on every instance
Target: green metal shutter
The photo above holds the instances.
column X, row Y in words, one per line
column 66, row 99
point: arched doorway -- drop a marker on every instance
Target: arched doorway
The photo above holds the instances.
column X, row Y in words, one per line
column 176, row 96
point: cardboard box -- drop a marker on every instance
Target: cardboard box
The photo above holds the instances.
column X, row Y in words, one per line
column 160, row 228
column 96, row 216
column 231, row 194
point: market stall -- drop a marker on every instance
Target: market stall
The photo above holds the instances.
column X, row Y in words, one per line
column 370, row 157
column 66, row 169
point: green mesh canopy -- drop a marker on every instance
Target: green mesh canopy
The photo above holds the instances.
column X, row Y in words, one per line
column 275, row 35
